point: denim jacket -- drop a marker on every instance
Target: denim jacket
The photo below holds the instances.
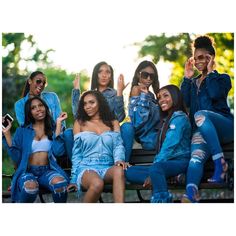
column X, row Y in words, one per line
column 51, row 100
column 91, row 149
column 177, row 140
column 20, row 152
column 211, row 96
column 116, row 103
column 145, row 117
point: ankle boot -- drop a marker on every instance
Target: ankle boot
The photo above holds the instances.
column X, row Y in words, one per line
column 220, row 172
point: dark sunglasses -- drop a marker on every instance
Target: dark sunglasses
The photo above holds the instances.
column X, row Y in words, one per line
column 39, row 81
column 145, row 75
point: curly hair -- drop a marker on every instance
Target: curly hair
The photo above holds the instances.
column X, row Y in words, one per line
column 141, row 66
column 103, row 109
column 204, row 42
column 94, row 80
column 48, row 121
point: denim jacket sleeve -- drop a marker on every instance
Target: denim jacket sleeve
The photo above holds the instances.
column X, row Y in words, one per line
column 58, row 145
column 119, row 108
column 77, row 157
column 118, row 148
column 173, row 138
column 75, row 95
column 140, row 109
column 218, row 85
column 186, row 91
column 15, row 151
column 19, row 111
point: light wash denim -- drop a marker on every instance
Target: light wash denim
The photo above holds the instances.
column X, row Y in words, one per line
column 116, row 103
column 51, row 100
column 41, row 176
column 95, row 151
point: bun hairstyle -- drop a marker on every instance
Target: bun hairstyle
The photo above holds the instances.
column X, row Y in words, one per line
column 205, row 42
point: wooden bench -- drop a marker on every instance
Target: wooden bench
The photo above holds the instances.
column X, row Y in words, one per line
column 142, row 157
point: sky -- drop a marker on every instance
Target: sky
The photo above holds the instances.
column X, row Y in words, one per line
column 84, row 33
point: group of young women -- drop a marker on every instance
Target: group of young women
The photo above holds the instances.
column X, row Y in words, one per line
column 100, row 149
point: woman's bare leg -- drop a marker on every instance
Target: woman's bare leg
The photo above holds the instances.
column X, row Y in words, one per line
column 94, row 185
column 115, row 175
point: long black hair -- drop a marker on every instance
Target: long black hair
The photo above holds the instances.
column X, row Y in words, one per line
column 103, row 108
column 94, row 80
column 48, row 121
column 204, row 42
column 178, row 105
column 26, row 88
column 141, row 66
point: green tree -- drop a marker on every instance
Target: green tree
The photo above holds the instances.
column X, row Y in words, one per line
column 176, row 49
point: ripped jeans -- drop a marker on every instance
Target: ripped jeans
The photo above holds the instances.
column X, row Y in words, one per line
column 215, row 129
column 29, row 182
column 202, row 148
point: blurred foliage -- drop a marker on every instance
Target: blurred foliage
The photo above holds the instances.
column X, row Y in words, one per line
column 20, row 57
column 176, row 49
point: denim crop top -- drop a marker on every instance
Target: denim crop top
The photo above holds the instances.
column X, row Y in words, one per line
column 43, row 145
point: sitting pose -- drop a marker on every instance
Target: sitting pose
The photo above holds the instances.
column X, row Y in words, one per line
column 173, row 146
column 143, row 109
column 31, row 151
column 213, row 124
column 98, row 153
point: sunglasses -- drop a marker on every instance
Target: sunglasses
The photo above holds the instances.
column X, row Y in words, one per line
column 39, row 81
column 145, row 75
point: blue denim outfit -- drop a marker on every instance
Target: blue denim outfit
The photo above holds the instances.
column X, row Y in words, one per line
column 208, row 102
column 116, row 103
column 51, row 100
column 95, row 152
column 172, row 159
column 144, row 115
column 20, row 151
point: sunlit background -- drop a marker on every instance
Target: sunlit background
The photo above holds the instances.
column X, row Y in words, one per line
column 82, row 33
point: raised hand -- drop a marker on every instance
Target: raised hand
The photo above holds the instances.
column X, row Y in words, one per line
column 63, row 116
column 76, row 82
column 211, row 63
column 7, row 128
column 121, row 85
column 188, row 69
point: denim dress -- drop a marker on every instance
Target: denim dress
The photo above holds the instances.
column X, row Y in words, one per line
column 97, row 152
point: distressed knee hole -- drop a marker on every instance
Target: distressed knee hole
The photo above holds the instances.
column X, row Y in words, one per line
column 31, row 186
column 59, row 184
column 197, row 155
column 199, row 120
column 198, row 139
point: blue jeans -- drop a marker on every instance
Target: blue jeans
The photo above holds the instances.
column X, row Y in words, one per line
column 199, row 155
column 127, row 134
column 41, row 175
column 215, row 129
column 158, row 173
